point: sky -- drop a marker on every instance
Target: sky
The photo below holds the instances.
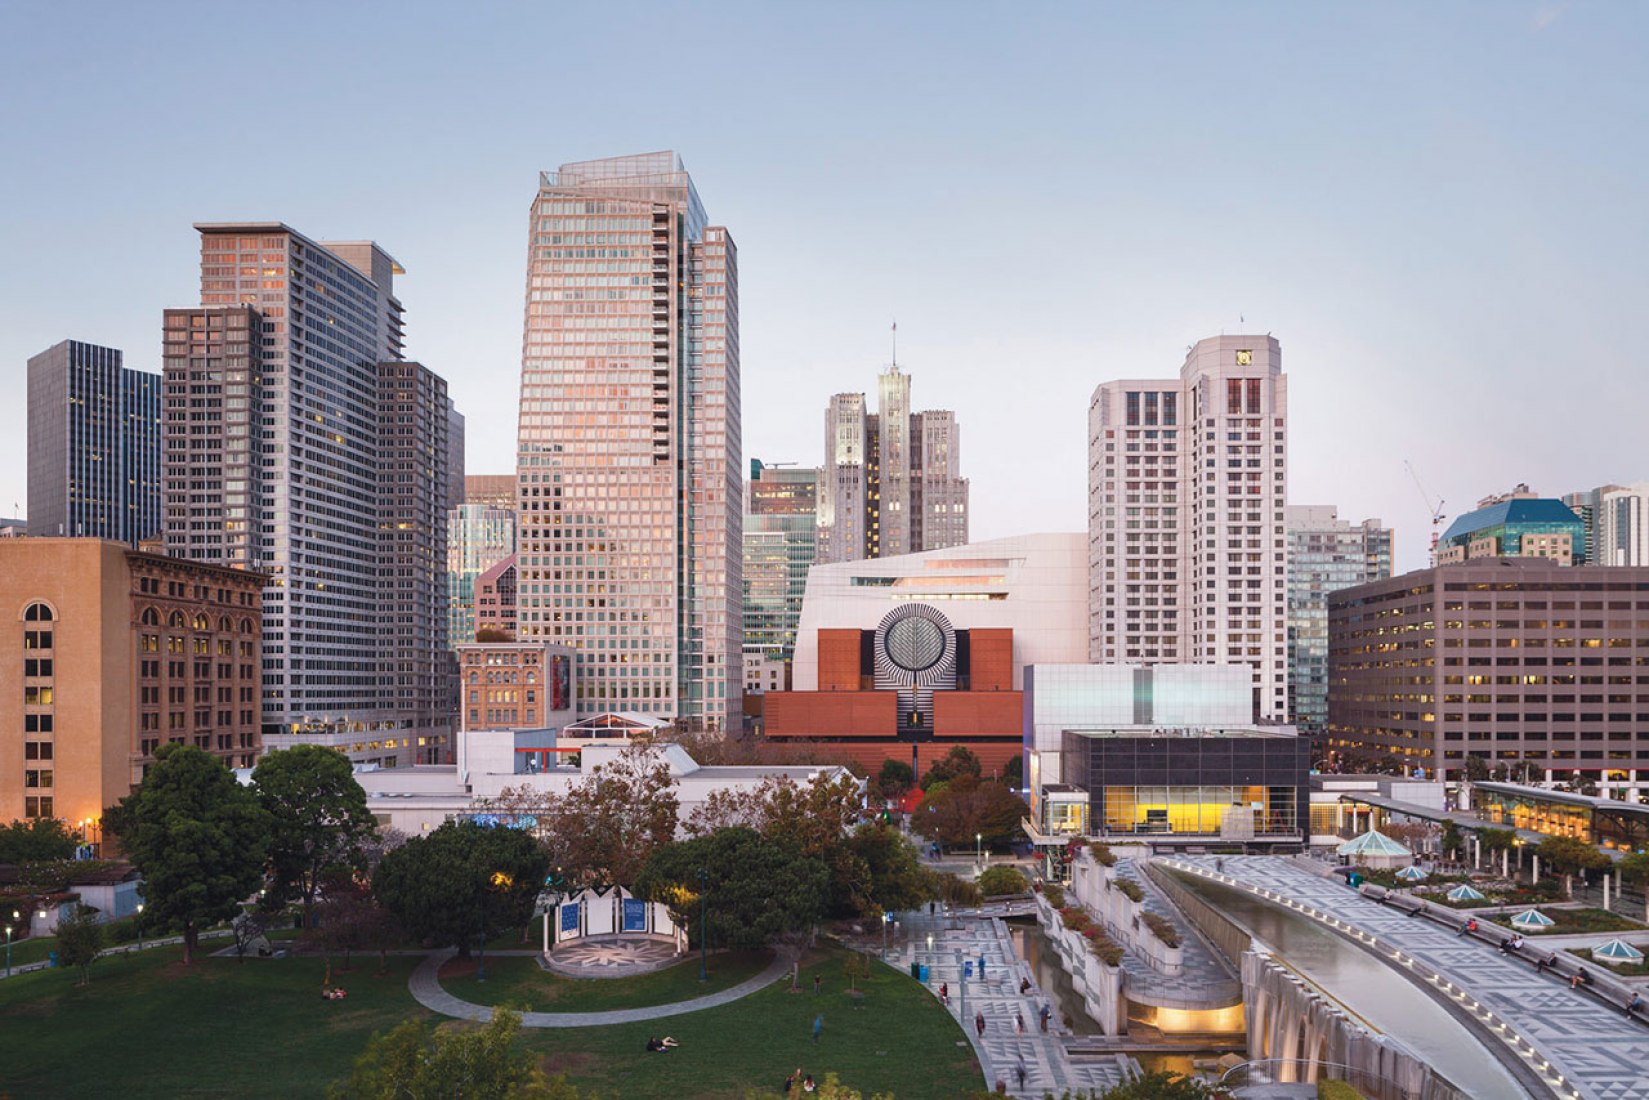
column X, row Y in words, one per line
column 1438, row 209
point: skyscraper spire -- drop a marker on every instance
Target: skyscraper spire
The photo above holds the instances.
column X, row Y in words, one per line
column 895, row 345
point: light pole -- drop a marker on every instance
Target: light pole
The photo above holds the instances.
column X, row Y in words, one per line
column 704, row 927
column 979, row 849
column 885, row 919
column 8, row 950
column 140, row 926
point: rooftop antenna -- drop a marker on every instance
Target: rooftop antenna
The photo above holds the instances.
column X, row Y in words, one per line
column 896, row 344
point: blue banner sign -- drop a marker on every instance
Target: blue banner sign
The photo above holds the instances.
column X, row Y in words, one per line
column 635, row 915
column 569, row 917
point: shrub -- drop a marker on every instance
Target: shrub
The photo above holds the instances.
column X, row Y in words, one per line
column 1055, row 896
column 1336, row 1090
column 1163, row 929
column 1130, row 889
column 1002, row 880
column 1105, row 950
column 1102, row 854
column 1075, row 919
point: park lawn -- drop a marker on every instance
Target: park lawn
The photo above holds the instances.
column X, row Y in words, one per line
column 898, row 1040
column 521, row 983
column 147, row 1026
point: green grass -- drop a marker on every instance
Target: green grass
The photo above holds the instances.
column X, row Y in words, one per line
column 1569, row 921
column 1625, row 969
column 149, row 1027
column 897, row 1040
column 522, row 983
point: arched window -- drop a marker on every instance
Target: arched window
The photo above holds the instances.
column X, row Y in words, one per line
column 37, row 613
column 246, row 626
column 151, row 617
column 202, row 622
column 224, row 626
column 175, row 619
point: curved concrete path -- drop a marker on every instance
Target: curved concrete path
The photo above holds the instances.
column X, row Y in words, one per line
column 426, row 990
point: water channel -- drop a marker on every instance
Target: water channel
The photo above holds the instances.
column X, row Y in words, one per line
column 1368, row 989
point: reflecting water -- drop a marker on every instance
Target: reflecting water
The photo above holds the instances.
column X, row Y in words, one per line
column 1050, row 976
column 1369, row 988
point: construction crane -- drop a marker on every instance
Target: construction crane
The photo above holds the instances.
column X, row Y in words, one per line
column 1434, row 506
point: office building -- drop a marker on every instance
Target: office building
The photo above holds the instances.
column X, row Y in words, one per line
column 1615, row 519
column 480, row 534
column 1512, row 660
column 113, row 653
column 516, row 685
column 497, row 617
column 1325, row 554
column 630, row 491
column 1518, row 524
column 891, row 481
column 780, row 544
column 94, row 445
column 1187, row 479
column 297, row 445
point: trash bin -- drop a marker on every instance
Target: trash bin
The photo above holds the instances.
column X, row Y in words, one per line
column 916, row 970
column 924, row 973
column 51, row 960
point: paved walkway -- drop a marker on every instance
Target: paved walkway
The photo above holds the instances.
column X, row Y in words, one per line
column 1002, row 1048
column 426, row 990
column 1204, row 982
column 1598, row 1052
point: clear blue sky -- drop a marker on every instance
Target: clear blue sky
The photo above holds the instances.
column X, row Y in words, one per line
column 1439, row 210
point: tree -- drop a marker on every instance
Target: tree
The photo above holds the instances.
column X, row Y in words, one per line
column 897, row 880
column 1162, row 1085
column 1000, row 880
column 1476, row 767
column 349, row 919
column 895, row 778
column 1635, row 870
column 1452, row 842
column 957, row 811
column 1014, row 774
column 37, row 841
column 79, row 941
column 959, row 761
column 198, row 838
column 248, row 929
column 757, row 890
column 1567, row 855
column 601, row 831
column 411, row 1062
column 1496, row 840
column 462, row 881
column 318, row 818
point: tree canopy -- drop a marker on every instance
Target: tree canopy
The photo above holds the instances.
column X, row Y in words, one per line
column 412, row 1062
column 959, row 761
column 756, row 890
column 79, row 941
column 462, row 881
column 318, row 818
column 1567, row 855
column 896, row 879
column 37, row 841
column 956, row 811
column 895, row 778
column 197, row 836
column 601, row 831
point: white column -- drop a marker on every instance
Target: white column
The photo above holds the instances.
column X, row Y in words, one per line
column 1606, row 891
column 547, row 913
column 1536, row 859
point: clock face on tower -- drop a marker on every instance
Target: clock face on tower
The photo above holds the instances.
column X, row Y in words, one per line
column 914, row 644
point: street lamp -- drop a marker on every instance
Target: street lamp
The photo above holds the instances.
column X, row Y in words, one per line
column 704, row 927
column 885, row 919
column 140, row 926
column 8, row 950
column 979, row 849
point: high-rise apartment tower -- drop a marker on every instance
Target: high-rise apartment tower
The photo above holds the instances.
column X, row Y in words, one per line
column 628, row 526
column 94, row 445
column 1325, row 554
column 299, row 442
column 1187, row 548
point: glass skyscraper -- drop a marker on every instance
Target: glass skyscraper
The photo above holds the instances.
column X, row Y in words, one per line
column 1325, row 554
column 780, row 540
column 630, row 508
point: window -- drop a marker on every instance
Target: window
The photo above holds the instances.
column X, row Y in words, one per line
column 37, row 613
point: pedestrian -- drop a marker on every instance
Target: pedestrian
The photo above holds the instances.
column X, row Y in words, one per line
column 1024, row 986
column 944, row 994
column 979, row 1023
column 930, row 908
column 981, row 968
column 808, row 1085
column 1544, row 964
column 1019, row 1021
column 1044, row 1014
column 1019, row 1070
column 817, row 982
column 1219, row 865
column 818, row 1026
column 1580, row 978
column 1632, row 1005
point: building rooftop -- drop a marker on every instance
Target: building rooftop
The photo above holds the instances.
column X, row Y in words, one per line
column 1521, row 510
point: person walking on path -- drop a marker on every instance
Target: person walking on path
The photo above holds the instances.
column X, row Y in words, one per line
column 1019, row 1022
column 979, row 1023
column 817, row 981
column 1044, row 1014
column 818, row 1026
column 1020, row 1070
